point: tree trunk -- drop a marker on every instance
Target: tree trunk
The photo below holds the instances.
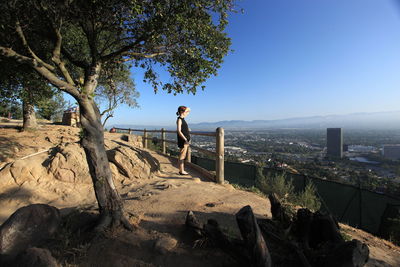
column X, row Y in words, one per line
column 109, row 201
column 29, row 117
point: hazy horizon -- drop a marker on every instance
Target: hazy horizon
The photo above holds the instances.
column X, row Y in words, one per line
column 362, row 120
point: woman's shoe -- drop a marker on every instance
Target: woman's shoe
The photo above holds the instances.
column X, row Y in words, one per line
column 183, row 173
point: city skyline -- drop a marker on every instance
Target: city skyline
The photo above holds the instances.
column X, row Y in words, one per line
column 292, row 59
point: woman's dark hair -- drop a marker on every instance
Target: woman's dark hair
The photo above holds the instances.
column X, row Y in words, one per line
column 181, row 109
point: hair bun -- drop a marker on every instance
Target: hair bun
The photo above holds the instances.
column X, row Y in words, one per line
column 177, row 113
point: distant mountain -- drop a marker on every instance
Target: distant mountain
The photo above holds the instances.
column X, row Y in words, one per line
column 376, row 120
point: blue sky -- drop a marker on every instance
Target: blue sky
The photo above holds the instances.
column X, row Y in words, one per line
column 292, row 58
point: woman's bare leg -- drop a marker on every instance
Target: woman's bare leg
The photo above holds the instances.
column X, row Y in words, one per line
column 182, row 157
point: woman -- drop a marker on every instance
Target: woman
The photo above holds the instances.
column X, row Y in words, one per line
column 183, row 136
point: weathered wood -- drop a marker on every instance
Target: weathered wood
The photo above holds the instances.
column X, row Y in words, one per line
column 202, row 150
column 145, row 138
column 324, row 229
column 235, row 248
column 163, row 143
column 219, row 149
column 213, row 233
column 212, row 134
column 303, row 226
column 270, row 231
column 278, row 212
column 253, row 238
column 205, row 173
column 193, row 224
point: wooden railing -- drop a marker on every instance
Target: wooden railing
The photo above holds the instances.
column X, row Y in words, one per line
column 219, row 146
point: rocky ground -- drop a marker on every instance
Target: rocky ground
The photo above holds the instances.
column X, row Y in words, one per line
column 48, row 166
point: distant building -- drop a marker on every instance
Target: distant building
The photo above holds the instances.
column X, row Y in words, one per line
column 71, row 117
column 391, row 151
column 345, row 147
column 334, row 142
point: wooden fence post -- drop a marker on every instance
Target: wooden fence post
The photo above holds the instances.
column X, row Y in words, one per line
column 219, row 161
column 144, row 138
column 189, row 155
column 164, row 147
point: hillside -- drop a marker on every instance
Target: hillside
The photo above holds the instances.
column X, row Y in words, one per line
column 48, row 166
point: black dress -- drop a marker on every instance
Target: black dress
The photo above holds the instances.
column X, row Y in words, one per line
column 185, row 131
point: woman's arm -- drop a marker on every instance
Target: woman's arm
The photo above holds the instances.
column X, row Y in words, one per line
column 179, row 130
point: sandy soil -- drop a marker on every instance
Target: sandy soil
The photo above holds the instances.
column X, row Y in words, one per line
column 158, row 207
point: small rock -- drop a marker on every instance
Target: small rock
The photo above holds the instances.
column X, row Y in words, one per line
column 16, row 149
column 213, row 204
column 165, row 244
column 196, row 180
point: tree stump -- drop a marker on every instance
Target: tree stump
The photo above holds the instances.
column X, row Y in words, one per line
column 253, row 238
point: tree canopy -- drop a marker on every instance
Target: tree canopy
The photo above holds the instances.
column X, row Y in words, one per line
column 62, row 39
column 71, row 42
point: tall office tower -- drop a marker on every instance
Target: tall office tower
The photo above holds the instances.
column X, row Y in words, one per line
column 334, row 142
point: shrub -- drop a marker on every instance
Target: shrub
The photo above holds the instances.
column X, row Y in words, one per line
column 308, row 198
column 394, row 230
column 276, row 183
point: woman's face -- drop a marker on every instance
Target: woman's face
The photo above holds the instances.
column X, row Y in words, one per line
column 185, row 113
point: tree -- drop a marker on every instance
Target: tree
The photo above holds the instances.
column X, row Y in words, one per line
column 69, row 42
column 23, row 83
column 52, row 108
column 115, row 88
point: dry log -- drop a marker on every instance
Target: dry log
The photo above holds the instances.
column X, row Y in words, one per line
column 324, row 230
column 234, row 248
column 212, row 232
column 303, row 229
column 253, row 238
column 267, row 228
column 278, row 212
column 193, row 224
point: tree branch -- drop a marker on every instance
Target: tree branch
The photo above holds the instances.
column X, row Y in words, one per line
column 39, row 67
column 57, row 57
column 26, row 45
column 79, row 63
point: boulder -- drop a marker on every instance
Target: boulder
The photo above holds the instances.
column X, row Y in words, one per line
column 6, row 178
column 36, row 257
column 130, row 162
column 69, row 164
column 27, row 227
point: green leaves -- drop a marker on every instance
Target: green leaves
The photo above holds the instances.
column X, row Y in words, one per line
column 186, row 38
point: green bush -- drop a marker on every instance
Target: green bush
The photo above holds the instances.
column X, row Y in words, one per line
column 394, row 230
column 308, row 198
column 283, row 187
column 277, row 183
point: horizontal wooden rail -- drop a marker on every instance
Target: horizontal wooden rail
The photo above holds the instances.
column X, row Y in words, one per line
column 219, row 147
column 212, row 134
column 205, row 151
column 200, row 149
